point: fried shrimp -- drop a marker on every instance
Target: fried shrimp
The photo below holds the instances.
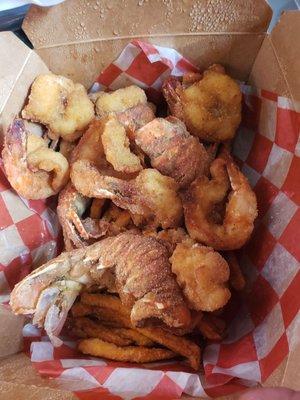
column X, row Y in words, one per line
column 116, row 147
column 202, row 273
column 60, row 104
column 143, row 279
column 33, row 170
column 128, row 104
column 149, row 194
column 201, row 201
column 77, row 232
column 172, row 150
column 210, row 107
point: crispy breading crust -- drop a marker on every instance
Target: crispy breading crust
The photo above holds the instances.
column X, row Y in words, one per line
column 137, row 354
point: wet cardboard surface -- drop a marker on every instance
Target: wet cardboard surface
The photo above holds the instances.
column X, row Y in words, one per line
column 233, row 40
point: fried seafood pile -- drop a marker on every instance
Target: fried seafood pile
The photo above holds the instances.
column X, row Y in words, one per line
column 145, row 206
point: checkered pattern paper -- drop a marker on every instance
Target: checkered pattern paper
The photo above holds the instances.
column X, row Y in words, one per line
column 262, row 324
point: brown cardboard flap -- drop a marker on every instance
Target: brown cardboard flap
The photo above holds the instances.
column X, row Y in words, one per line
column 18, row 67
column 83, row 62
column 277, row 65
column 76, row 21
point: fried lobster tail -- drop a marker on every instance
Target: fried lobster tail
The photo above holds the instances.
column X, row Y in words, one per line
column 143, row 278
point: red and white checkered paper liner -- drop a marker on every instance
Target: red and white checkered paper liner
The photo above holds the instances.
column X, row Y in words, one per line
column 262, row 323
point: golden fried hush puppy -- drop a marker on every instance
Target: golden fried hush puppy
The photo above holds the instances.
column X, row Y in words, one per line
column 202, row 273
column 60, row 104
column 210, row 107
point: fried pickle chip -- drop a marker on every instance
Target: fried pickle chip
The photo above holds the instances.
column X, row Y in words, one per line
column 202, row 273
column 60, row 104
column 137, row 354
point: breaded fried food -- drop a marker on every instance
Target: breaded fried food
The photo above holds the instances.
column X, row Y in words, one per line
column 96, row 208
column 172, row 150
column 137, row 354
column 236, row 279
column 116, row 147
column 169, row 237
column 210, row 108
column 135, row 336
column 96, row 330
column 104, row 301
column 202, row 273
column 60, row 104
column 160, row 193
column 178, row 344
column 128, row 104
column 229, row 190
column 211, row 327
column 119, row 100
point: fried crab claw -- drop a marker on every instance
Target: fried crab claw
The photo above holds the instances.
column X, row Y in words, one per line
column 34, row 170
column 220, row 211
column 143, row 279
column 148, row 194
column 172, row 150
column 210, row 107
column 77, row 232
column 60, row 104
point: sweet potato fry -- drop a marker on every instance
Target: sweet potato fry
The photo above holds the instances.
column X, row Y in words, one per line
column 138, row 354
column 97, row 330
column 136, row 337
column 104, row 300
column 178, row 344
column 212, row 327
column 111, row 317
column 236, row 279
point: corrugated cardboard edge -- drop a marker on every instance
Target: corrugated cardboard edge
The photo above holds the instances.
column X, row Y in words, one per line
column 79, row 40
column 17, row 63
column 277, row 65
column 75, row 21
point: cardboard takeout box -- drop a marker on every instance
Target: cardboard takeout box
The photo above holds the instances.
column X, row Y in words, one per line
column 79, row 38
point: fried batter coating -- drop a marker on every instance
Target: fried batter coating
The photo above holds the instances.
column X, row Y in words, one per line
column 212, row 327
column 236, row 280
column 178, row 344
column 137, row 354
column 210, row 108
column 202, row 273
column 128, row 104
column 146, row 195
column 202, row 199
column 33, row 170
column 60, row 104
column 172, row 150
column 160, row 194
column 119, row 100
column 116, row 147
column 96, row 330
